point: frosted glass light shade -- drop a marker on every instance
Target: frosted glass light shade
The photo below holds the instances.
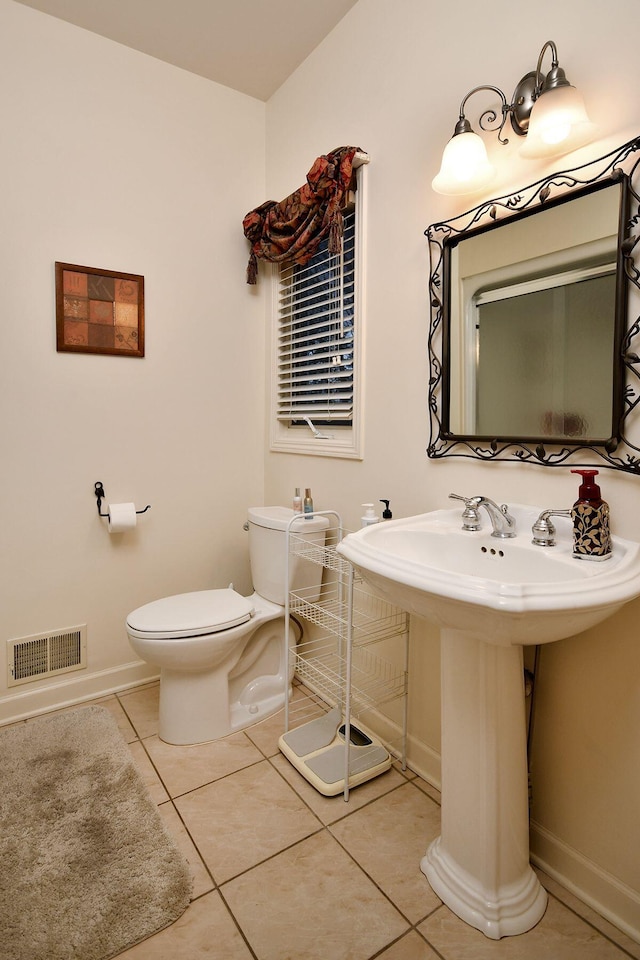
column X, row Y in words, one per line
column 465, row 166
column 558, row 124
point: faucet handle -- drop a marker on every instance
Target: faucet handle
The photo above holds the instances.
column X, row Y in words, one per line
column 544, row 530
column 470, row 501
column 470, row 514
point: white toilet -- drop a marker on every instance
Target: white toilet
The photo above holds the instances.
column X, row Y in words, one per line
column 222, row 660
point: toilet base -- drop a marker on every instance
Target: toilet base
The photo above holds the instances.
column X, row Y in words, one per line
column 194, row 708
column 243, row 716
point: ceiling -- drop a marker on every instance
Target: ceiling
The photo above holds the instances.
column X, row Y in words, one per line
column 249, row 45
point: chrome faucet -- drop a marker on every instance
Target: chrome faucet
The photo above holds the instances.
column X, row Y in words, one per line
column 543, row 530
column 504, row 525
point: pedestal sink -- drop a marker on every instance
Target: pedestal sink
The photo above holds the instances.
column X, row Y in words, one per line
column 490, row 597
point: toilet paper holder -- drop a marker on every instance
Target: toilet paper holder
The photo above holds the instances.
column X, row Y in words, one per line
column 100, row 495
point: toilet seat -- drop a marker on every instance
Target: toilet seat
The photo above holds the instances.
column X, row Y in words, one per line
column 190, row 614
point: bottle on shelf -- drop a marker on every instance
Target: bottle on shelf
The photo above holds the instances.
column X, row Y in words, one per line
column 308, row 503
column 369, row 516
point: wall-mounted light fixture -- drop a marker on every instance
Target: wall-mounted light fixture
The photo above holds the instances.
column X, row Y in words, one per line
column 545, row 109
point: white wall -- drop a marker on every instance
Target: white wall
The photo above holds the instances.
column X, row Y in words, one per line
column 113, row 159
column 390, row 79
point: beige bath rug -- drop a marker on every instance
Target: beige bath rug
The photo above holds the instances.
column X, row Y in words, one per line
column 86, row 866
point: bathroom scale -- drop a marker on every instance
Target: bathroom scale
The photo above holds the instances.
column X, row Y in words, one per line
column 317, row 751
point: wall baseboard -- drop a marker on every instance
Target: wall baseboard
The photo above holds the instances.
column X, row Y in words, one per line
column 421, row 759
column 608, row 896
column 76, row 689
column 424, row 761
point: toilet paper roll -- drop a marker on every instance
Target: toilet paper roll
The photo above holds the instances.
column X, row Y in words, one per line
column 122, row 517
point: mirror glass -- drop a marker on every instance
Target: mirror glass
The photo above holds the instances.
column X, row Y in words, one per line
column 529, row 298
column 532, row 323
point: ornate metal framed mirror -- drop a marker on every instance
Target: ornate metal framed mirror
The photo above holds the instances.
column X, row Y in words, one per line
column 535, row 326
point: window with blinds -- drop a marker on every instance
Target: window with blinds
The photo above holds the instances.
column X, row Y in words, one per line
column 317, row 338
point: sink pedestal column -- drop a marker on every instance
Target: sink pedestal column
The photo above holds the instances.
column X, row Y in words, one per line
column 479, row 866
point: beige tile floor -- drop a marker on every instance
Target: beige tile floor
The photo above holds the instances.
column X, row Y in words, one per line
column 283, row 873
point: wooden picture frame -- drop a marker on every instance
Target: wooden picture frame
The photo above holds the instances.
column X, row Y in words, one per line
column 99, row 311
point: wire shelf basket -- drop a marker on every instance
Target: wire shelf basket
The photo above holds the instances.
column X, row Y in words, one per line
column 324, row 554
column 335, row 661
column 370, row 618
column 322, row 665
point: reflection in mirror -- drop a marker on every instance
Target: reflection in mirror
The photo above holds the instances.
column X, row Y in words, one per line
column 545, row 360
column 531, row 320
column 529, row 345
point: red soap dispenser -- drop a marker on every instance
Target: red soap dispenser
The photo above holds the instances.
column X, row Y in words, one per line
column 590, row 515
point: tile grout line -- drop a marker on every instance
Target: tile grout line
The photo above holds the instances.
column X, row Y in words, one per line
column 414, row 929
column 171, row 801
column 589, row 923
column 374, row 882
column 237, row 925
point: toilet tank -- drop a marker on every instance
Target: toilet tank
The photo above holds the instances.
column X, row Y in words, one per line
column 268, row 552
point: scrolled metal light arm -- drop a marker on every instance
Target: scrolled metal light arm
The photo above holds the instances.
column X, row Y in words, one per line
column 463, row 125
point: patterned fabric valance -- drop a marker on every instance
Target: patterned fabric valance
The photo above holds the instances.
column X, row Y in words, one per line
column 293, row 229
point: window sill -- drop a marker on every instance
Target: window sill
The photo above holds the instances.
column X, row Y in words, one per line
column 314, row 447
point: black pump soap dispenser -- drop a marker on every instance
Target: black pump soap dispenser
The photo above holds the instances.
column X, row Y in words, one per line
column 590, row 515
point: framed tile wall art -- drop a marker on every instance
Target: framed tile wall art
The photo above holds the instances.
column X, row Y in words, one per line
column 99, row 311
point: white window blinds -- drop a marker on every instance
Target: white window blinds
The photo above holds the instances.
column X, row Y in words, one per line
column 316, row 331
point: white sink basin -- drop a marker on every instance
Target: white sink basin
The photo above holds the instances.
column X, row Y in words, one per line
column 508, row 591
column 490, row 596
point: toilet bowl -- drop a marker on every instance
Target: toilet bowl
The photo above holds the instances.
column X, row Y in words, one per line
column 222, row 660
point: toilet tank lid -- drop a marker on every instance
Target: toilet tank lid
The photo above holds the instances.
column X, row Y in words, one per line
column 278, row 518
column 191, row 614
